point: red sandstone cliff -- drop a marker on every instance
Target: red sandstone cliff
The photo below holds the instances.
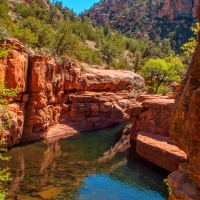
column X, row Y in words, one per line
column 151, row 18
column 55, row 98
column 185, row 130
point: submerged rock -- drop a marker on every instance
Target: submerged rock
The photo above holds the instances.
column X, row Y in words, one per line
column 50, row 193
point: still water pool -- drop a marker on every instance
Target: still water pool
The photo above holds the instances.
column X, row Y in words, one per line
column 81, row 168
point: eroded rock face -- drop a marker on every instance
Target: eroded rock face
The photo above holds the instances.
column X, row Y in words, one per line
column 150, row 132
column 15, row 66
column 14, row 70
column 185, row 128
column 127, row 15
column 13, row 135
column 160, row 150
column 55, row 98
column 152, row 115
column 63, row 99
column 182, row 186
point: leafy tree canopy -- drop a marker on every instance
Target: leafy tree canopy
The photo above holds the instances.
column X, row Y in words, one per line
column 162, row 71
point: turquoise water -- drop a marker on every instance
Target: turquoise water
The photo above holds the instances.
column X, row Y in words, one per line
column 81, row 168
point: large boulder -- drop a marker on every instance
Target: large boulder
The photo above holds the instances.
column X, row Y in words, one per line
column 101, row 80
column 160, row 150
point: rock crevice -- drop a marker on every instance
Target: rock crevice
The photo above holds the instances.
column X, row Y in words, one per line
column 57, row 98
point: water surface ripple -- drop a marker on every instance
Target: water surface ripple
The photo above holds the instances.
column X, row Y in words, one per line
column 77, row 168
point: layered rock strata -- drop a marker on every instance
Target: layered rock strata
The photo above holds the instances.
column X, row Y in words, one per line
column 150, row 132
column 57, row 98
column 185, row 128
column 159, row 150
column 155, row 18
column 14, row 70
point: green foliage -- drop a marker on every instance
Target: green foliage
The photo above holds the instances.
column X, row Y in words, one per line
column 26, row 36
column 3, row 33
column 137, row 62
column 121, row 64
column 4, row 51
column 142, row 26
column 164, row 90
column 57, row 31
column 168, row 187
column 5, row 123
column 66, row 42
column 188, row 48
column 85, row 54
column 4, row 8
column 162, row 71
column 111, row 47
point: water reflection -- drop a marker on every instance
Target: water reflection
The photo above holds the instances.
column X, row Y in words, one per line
column 74, row 168
column 52, row 152
column 14, row 184
column 121, row 146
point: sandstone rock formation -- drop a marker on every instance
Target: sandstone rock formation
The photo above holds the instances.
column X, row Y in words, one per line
column 160, row 150
column 185, row 128
column 57, row 98
column 150, row 132
column 148, row 16
column 182, row 186
column 14, row 70
column 153, row 117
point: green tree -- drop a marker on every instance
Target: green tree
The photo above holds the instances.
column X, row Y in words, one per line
column 137, row 59
column 121, row 64
column 66, row 42
column 4, row 8
column 162, row 71
column 112, row 47
column 26, row 36
column 189, row 47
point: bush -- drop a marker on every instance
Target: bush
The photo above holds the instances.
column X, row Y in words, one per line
column 165, row 90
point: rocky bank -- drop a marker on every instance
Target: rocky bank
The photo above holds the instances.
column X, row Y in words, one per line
column 58, row 98
column 150, row 132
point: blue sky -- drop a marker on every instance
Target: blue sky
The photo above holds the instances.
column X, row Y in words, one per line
column 79, row 5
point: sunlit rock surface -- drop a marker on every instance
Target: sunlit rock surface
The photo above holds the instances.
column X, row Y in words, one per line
column 150, row 132
column 58, row 98
column 159, row 150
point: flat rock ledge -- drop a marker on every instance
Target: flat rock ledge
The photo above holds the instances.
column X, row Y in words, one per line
column 160, row 150
column 182, row 186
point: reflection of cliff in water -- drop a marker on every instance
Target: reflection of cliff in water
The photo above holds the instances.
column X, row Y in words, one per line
column 19, row 176
column 121, row 146
column 52, row 152
column 62, row 165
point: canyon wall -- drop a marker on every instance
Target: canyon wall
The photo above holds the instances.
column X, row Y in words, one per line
column 185, row 130
column 148, row 18
column 58, row 98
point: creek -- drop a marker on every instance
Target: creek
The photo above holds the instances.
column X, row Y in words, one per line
column 81, row 167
